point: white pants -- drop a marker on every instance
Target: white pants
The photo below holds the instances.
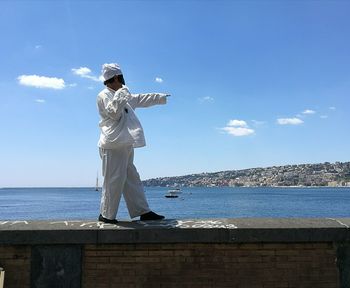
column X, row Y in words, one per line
column 121, row 177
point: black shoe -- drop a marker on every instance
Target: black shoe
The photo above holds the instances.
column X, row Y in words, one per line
column 105, row 220
column 151, row 216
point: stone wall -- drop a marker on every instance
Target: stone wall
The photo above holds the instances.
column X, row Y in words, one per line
column 242, row 253
column 211, row 265
column 16, row 262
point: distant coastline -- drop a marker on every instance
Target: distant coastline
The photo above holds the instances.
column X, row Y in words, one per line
column 290, row 176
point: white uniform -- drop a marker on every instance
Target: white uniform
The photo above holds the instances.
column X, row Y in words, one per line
column 121, row 132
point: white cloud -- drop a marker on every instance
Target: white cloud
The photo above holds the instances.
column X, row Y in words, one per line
column 94, row 78
column 40, row 100
column 332, row 108
column 81, row 71
column 238, row 128
column 206, row 99
column 159, row 80
column 41, row 81
column 38, row 46
column 85, row 72
column 289, row 121
column 309, row 111
column 72, row 85
column 238, row 131
column 237, row 123
column 91, row 88
column 324, row 116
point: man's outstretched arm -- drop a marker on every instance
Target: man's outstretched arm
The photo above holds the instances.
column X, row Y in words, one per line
column 147, row 99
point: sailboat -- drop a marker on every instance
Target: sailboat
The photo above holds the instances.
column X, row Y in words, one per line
column 96, row 187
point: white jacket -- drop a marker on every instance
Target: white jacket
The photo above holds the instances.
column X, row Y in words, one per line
column 119, row 123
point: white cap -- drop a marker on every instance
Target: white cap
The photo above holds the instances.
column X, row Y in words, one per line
column 110, row 70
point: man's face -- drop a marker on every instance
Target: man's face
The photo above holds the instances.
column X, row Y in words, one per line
column 115, row 85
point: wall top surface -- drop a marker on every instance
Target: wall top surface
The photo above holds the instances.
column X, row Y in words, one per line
column 239, row 230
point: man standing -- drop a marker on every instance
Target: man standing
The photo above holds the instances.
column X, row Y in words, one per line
column 121, row 132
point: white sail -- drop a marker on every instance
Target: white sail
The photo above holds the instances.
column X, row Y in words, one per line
column 96, row 187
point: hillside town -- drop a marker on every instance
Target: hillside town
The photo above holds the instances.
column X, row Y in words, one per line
column 324, row 174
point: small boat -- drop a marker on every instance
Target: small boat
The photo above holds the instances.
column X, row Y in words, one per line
column 173, row 193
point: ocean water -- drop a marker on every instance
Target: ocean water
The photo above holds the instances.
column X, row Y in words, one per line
column 225, row 202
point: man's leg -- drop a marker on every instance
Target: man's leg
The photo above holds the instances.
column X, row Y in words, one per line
column 134, row 194
column 114, row 170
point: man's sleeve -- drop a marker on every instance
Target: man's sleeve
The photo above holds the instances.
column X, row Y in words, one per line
column 146, row 100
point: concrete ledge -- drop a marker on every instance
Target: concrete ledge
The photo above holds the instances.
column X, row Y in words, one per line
column 241, row 230
column 177, row 253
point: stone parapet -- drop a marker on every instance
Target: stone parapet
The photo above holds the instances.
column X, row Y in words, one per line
column 241, row 230
column 254, row 253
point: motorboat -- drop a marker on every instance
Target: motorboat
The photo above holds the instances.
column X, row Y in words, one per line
column 173, row 193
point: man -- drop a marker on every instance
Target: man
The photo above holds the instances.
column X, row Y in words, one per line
column 121, row 132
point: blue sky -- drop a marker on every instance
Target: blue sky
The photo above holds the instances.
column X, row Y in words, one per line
column 253, row 84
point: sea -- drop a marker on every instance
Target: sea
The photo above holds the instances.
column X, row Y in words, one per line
column 192, row 203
